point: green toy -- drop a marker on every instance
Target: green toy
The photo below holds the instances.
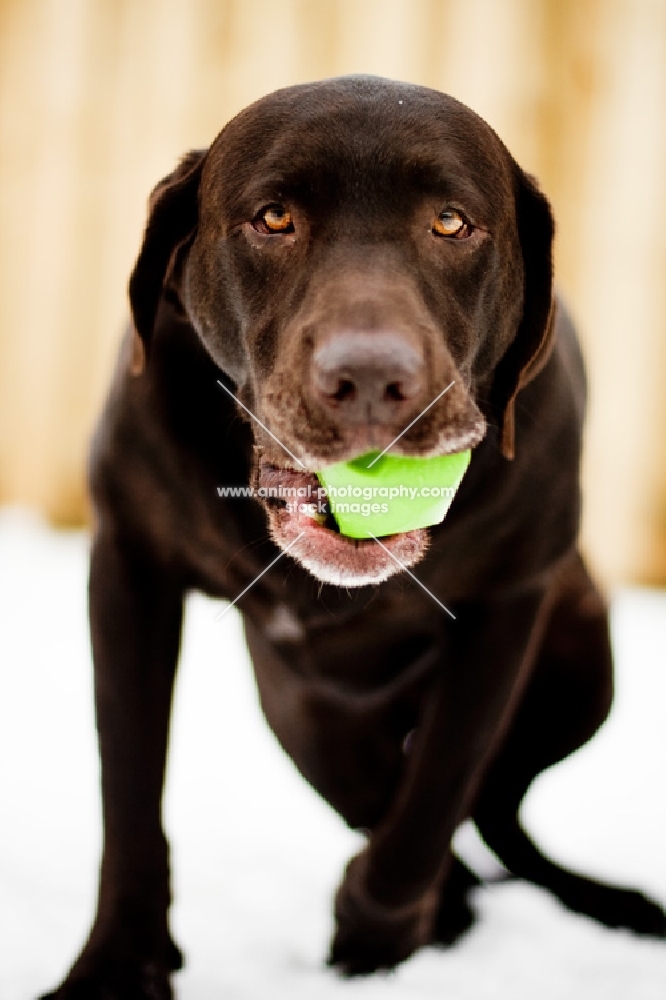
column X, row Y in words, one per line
column 396, row 494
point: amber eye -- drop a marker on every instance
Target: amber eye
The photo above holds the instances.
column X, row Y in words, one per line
column 274, row 219
column 450, row 223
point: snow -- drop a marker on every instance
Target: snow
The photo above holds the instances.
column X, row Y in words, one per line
column 256, row 859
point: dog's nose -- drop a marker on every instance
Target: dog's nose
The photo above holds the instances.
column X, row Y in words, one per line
column 368, row 378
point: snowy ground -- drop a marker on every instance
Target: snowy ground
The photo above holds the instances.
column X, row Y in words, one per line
column 253, row 882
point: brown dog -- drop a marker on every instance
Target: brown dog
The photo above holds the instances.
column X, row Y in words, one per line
column 343, row 252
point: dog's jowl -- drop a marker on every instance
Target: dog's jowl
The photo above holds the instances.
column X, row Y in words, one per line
column 306, row 289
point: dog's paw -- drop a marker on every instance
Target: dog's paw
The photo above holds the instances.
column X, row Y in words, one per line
column 454, row 915
column 104, row 974
column 147, row 982
column 369, row 936
column 453, row 919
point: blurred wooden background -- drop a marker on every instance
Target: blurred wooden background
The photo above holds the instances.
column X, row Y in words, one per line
column 98, row 98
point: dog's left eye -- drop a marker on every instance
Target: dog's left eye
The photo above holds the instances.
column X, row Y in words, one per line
column 274, row 219
column 451, row 223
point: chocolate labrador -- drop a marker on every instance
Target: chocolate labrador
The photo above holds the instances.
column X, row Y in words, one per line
column 306, row 288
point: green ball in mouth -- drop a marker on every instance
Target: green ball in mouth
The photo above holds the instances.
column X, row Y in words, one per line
column 395, row 494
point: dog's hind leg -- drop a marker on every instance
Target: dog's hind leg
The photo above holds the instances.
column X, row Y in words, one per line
column 568, row 697
column 454, row 915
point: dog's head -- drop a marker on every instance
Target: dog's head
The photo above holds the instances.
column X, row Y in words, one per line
column 345, row 250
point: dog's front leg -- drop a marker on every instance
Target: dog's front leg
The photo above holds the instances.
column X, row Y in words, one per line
column 135, row 615
column 386, row 905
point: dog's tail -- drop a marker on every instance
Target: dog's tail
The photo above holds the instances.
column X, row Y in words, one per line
column 608, row 904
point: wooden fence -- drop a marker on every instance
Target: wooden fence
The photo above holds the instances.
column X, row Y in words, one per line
column 98, row 98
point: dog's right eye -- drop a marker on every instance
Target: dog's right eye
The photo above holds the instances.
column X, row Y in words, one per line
column 274, row 219
column 451, row 223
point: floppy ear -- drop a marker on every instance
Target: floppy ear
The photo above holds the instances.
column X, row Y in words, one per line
column 533, row 343
column 173, row 209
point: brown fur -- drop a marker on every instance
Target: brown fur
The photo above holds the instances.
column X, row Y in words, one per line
column 521, row 678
